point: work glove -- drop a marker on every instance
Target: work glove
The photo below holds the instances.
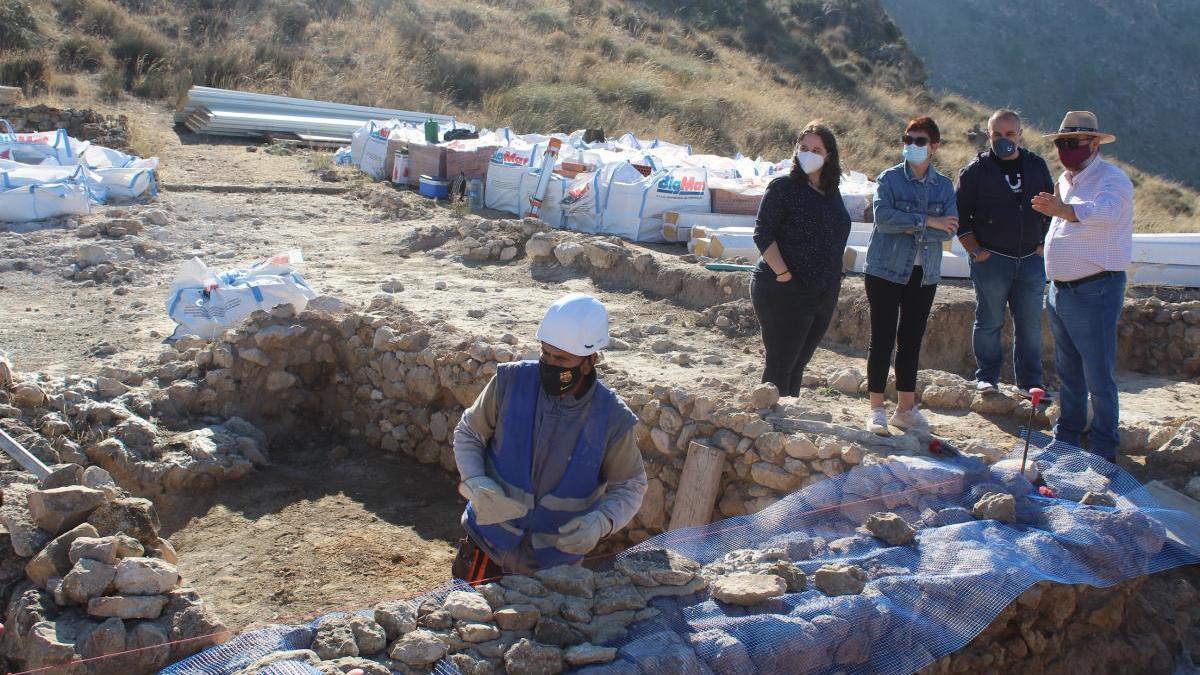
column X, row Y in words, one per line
column 491, row 504
column 581, row 534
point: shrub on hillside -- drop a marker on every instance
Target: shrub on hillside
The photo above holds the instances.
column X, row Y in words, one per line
column 80, row 53
column 101, row 18
column 465, row 79
column 112, row 83
column 225, row 69
column 279, row 58
column 291, row 21
column 69, row 11
column 18, row 29
column 547, row 20
column 466, row 19
column 160, row 82
column 1170, row 199
column 29, row 72
column 550, row 107
column 139, row 47
column 642, row 94
column 332, row 9
column 206, row 26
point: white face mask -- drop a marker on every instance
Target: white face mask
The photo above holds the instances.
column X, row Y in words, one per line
column 809, row 161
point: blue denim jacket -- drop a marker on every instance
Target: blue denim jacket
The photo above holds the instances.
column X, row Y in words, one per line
column 902, row 201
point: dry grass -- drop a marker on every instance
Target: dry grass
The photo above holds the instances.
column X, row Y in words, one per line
column 543, row 65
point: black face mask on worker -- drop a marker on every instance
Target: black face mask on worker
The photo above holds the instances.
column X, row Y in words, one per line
column 558, row 380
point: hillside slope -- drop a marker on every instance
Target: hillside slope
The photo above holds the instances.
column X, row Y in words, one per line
column 723, row 75
column 1134, row 62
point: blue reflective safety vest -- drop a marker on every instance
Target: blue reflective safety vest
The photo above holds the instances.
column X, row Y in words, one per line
column 511, row 465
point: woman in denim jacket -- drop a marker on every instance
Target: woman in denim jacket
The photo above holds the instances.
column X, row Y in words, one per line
column 915, row 211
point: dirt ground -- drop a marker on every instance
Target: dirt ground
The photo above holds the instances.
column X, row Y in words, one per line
column 311, row 534
column 305, row 536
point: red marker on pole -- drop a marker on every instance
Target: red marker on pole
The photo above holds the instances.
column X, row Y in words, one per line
column 1035, row 397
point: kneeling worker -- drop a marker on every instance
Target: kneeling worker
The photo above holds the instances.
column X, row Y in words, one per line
column 547, row 454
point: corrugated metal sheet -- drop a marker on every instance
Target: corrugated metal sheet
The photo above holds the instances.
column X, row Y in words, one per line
column 225, row 112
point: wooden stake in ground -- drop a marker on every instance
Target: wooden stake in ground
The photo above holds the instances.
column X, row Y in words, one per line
column 698, row 487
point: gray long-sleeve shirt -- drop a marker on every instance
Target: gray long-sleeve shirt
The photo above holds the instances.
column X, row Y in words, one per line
column 557, row 425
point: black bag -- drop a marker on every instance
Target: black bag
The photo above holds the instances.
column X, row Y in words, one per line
column 459, row 135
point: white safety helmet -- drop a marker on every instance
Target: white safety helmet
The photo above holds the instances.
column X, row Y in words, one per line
column 577, row 324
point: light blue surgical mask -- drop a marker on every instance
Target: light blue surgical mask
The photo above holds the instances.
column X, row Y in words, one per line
column 916, row 155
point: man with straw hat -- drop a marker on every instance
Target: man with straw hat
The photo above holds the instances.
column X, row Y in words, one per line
column 1087, row 250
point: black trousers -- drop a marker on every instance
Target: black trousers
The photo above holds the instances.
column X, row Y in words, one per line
column 793, row 320
column 898, row 316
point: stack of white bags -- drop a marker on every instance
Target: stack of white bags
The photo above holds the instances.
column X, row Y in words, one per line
column 630, row 184
column 47, row 174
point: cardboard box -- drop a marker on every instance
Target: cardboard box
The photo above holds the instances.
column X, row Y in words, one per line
column 735, row 203
column 425, row 160
column 470, row 163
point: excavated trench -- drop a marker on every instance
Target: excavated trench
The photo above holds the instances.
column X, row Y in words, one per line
column 324, row 527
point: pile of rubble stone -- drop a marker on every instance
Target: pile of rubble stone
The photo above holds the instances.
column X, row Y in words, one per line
column 87, row 575
column 545, row 623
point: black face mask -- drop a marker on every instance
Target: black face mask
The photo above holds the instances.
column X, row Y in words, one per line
column 557, row 380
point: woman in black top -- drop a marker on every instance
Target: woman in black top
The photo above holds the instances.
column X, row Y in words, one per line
column 801, row 232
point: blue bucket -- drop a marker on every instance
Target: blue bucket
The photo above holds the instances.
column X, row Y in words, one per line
column 434, row 188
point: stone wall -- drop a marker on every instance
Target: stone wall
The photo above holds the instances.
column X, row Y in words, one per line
column 1137, row 626
column 388, row 380
column 1154, row 336
column 85, row 125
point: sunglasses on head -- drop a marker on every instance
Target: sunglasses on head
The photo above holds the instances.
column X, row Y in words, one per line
column 919, row 141
column 1072, row 143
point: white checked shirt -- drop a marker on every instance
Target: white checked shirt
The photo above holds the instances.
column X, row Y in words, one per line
column 1102, row 240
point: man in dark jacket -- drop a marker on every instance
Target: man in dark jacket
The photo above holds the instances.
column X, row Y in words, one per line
column 1003, row 235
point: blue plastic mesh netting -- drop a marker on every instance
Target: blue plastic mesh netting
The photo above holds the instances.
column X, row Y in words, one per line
column 922, row 601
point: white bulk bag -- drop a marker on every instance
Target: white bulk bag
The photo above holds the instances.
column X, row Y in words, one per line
column 858, row 192
column 49, row 147
column 506, row 170
column 100, row 157
column 581, row 205
column 360, row 136
column 551, row 211
column 205, row 302
column 44, row 200
column 127, row 183
column 634, row 206
column 374, row 155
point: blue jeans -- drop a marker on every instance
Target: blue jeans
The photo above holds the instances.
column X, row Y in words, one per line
column 1019, row 285
column 1084, row 322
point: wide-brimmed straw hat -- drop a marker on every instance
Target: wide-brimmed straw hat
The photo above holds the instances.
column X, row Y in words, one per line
column 1080, row 123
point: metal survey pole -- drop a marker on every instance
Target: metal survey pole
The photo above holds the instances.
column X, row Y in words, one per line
column 24, row 457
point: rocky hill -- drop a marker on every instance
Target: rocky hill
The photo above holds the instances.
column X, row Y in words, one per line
column 1132, row 61
column 722, row 75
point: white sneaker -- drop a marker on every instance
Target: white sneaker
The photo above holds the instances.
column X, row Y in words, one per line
column 983, row 386
column 877, row 422
column 910, row 419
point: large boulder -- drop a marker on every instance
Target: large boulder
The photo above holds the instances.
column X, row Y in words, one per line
column 145, row 576
column 88, row 579
column 59, row 509
column 134, row 516
column 54, row 560
column 748, row 589
column 127, row 607
column 531, row 658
